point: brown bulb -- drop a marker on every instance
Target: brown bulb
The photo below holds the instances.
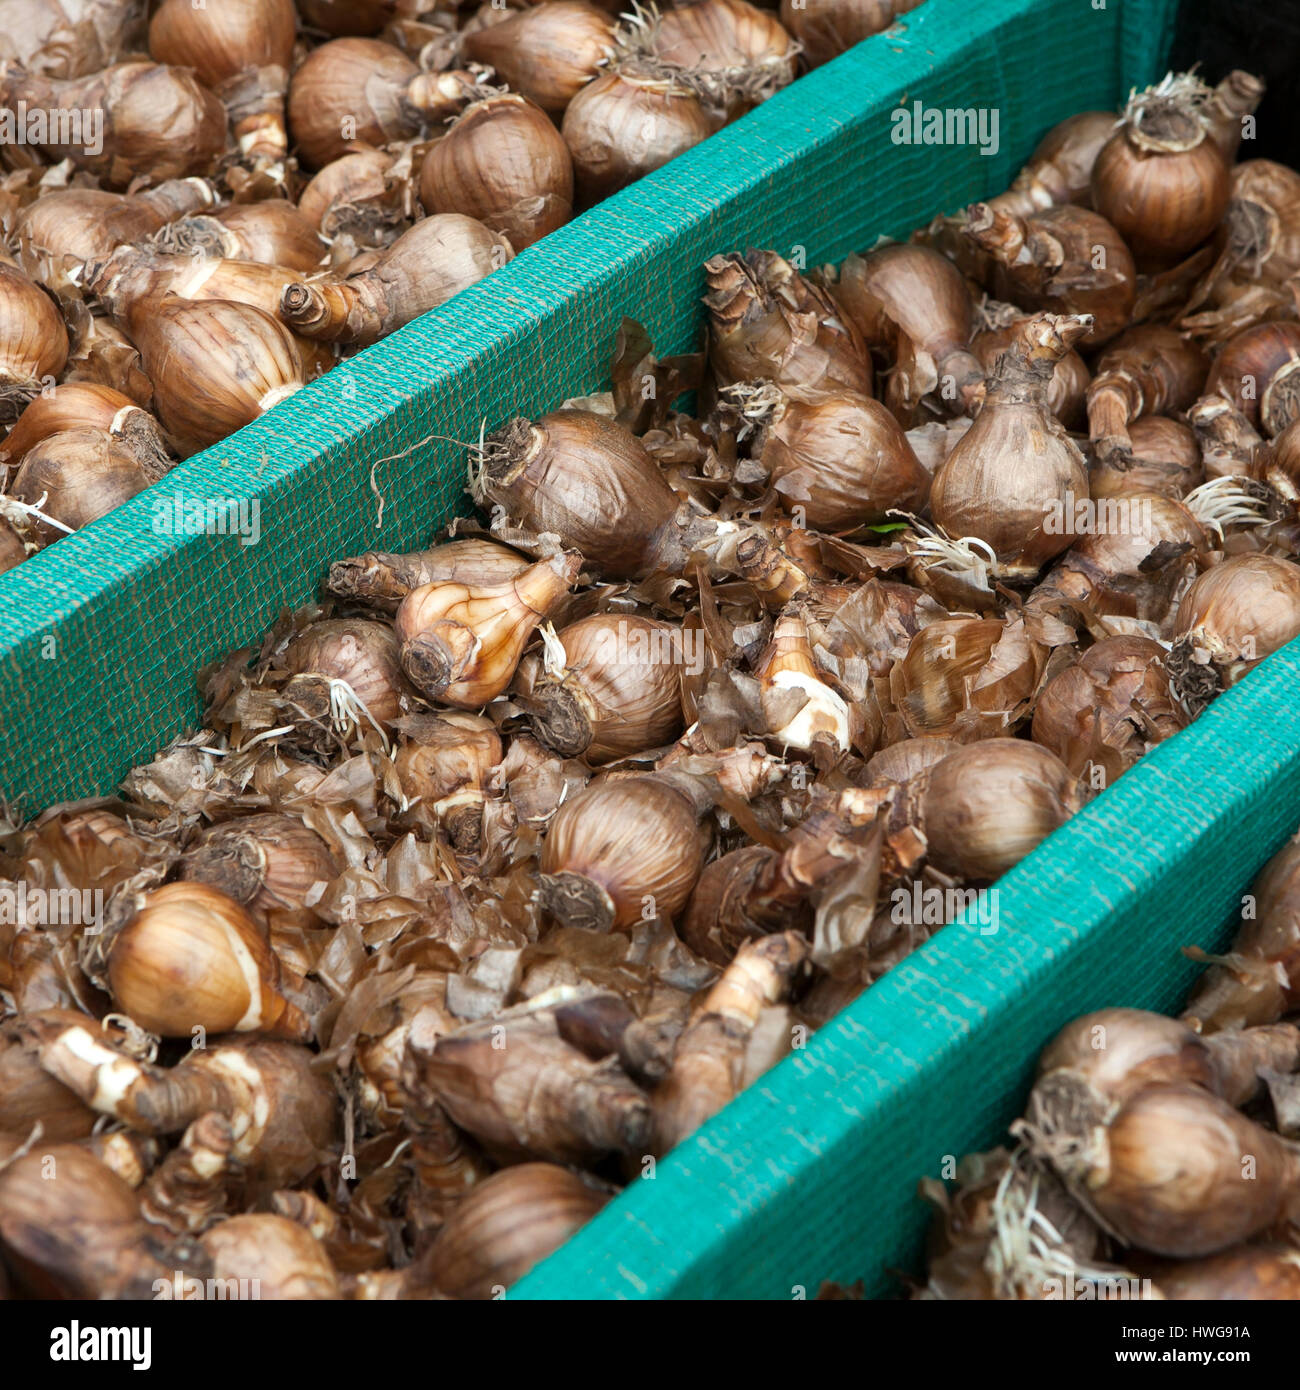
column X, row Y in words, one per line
column 801, row 709
column 1258, row 372
column 506, row 1225
column 737, row 54
column 1233, row 616
column 242, row 50
column 1112, row 706
column 425, row 267
column 215, row 366
column 33, row 341
column 159, row 122
column 1015, row 464
column 628, row 123
column 270, row 1254
column 990, row 803
column 353, row 653
column 444, row 761
column 66, row 227
column 79, row 405
column 769, row 323
column 272, row 232
column 592, row 482
column 502, row 162
column 193, row 958
column 351, row 90
column 1060, row 168
column 75, row 477
column 1066, row 260
column 133, row 277
column 344, row 18
column 460, row 643
column 1148, row 370
column 266, row 862
column 1070, row 376
column 842, row 463
column 827, row 28
column 620, row 852
column 617, row 691
column 547, row 52
column 353, row 193
column 1160, row 180
column 913, row 303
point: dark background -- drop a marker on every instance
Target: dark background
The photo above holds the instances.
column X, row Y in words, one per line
column 1262, row 36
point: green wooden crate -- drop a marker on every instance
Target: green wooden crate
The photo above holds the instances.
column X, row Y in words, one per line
column 810, row 1174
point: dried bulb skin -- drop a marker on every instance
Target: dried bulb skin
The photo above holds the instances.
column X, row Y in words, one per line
column 1109, row 708
column 1004, row 475
column 1148, row 370
column 590, row 481
column 708, row 1062
column 460, row 643
column 1256, row 983
column 82, row 475
column 619, row 691
column 800, row 708
column 1258, row 372
column 538, row 1097
column 769, row 323
column 382, row 581
column 192, row 957
column 844, row 462
column 914, row 302
column 215, row 366
column 159, row 122
column 33, row 341
column 1179, row 1172
column 71, row 1228
column 425, row 267
column 503, row 163
column 620, row 852
column 1160, row 180
column 71, row 38
column 280, row 1258
column 827, row 28
column 1066, row 259
column 507, row 1224
column 264, row 862
column 626, row 124
column 1233, row 616
column 965, row 678
column 989, row 803
column 358, row 81
column 547, row 52
column 1060, row 168
column 445, row 762
column 1227, row 438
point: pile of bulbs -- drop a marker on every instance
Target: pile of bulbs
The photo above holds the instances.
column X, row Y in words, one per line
column 202, row 213
column 493, row 875
column 1157, row 1157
